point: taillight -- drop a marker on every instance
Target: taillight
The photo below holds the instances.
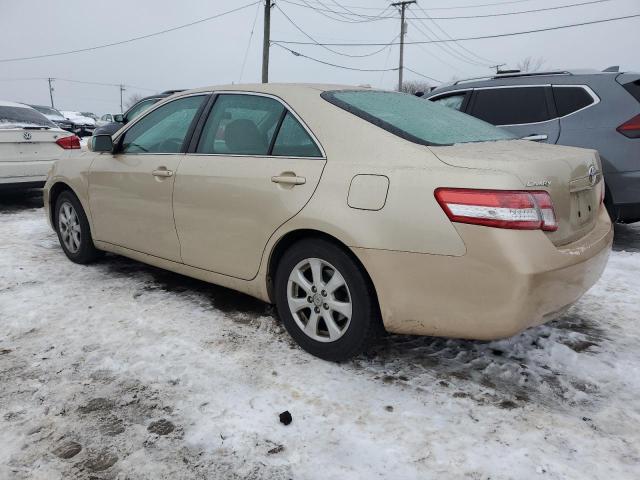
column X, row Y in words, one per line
column 521, row 210
column 630, row 128
column 69, row 143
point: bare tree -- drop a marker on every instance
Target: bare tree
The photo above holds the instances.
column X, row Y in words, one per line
column 531, row 64
column 414, row 86
column 133, row 99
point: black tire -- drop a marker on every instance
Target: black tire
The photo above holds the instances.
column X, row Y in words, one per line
column 86, row 251
column 365, row 324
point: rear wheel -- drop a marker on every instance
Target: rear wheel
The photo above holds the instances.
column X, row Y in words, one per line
column 73, row 230
column 325, row 300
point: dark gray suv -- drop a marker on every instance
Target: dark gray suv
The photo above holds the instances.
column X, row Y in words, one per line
column 591, row 109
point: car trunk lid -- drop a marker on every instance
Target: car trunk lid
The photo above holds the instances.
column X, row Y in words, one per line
column 570, row 175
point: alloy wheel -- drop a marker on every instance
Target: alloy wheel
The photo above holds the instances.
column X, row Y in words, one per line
column 319, row 300
column 69, row 227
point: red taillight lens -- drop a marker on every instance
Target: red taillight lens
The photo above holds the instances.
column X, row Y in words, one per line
column 630, row 128
column 521, row 210
column 69, row 143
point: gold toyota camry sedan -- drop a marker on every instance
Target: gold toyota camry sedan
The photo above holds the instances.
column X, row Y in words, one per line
column 353, row 210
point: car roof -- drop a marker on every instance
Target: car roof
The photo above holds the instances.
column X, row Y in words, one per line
column 4, row 103
column 276, row 88
column 535, row 78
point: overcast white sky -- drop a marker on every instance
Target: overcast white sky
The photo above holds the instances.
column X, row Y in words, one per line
column 212, row 52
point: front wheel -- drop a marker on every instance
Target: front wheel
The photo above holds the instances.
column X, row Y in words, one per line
column 325, row 300
column 73, row 230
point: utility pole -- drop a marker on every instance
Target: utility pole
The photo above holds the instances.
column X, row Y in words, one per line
column 122, row 89
column 497, row 67
column 266, row 41
column 403, row 6
column 51, row 91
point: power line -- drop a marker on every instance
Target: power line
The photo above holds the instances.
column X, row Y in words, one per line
column 330, row 49
column 141, row 37
column 446, row 34
column 460, row 17
column 520, row 12
column 482, row 37
column 423, row 75
column 342, row 18
column 83, row 82
column 246, row 53
column 358, row 7
column 448, row 49
column 344, row 67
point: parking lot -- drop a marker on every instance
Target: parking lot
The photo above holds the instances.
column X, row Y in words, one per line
column 120, row 370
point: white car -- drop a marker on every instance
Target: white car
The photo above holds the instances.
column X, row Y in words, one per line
column 29, row 145
column 84, row 125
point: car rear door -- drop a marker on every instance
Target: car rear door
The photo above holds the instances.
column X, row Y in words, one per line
column 527, row 111
column 252, row 165
column 131, row 190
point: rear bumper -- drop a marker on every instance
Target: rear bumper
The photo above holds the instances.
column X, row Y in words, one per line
column 507, row 281
column 625, row 190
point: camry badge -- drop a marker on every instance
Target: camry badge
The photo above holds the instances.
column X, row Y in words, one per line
column 539, row 183
column 593, row 175
column 27, row 135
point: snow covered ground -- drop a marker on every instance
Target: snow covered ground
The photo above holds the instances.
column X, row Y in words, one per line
column 122, row 371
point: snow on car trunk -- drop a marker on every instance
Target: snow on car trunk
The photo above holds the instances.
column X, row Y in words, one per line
column 121, row 370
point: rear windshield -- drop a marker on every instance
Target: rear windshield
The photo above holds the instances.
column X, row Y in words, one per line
column 17, row 117
column 415, row 119
column 633, row 88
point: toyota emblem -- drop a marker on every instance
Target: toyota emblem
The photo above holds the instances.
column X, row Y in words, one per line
column 27, row 135
column 593, row 175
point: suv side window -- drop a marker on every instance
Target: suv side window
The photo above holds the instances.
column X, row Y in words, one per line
column 294, row 141
column 510, row 106
column 241, row 124
column 454, row 100
column 571, row 99
column 163, row 130
column 139, row 108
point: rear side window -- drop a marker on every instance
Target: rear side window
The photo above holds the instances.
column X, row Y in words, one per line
column 17, row 117
column 633, row 88
column 511, row 106
column 240, row 125
column 571, row 99
column 294, row 141
column 415, row 119
column 452, row 101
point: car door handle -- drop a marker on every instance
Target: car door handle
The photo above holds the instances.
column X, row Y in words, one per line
column 536, row 137
column 289, row 180
column 162, row 172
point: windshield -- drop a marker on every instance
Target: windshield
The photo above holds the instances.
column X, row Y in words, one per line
column 139, row 108
column 415, row 119
column 17, row 117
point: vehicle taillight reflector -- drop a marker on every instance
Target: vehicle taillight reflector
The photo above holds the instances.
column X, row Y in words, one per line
column 521, row 210
column 69, row 143
column 630, row 128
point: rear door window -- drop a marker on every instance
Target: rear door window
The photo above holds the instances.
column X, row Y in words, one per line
column 241, row 124
column 510, row 106
column 454, row 101
column 571, row 99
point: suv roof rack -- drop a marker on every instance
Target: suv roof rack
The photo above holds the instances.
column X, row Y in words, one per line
column 513, row 74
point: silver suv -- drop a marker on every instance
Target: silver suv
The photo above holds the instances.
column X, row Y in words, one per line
column 586, row 108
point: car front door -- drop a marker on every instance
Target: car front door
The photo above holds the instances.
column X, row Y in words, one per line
column 253, row 165
column 131, row 190
column 526, row 111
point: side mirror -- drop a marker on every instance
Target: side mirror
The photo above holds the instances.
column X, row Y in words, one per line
column 419, row 94
column 119, row 118
column 101, row 143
